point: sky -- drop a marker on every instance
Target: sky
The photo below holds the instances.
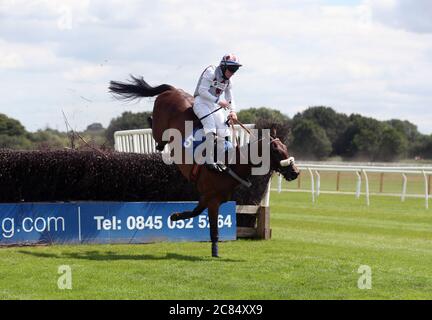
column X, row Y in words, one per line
column 372, row 57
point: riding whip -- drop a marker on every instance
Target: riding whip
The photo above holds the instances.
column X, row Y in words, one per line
column 210, row 113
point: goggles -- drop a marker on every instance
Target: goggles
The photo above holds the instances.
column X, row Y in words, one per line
column 232, row 69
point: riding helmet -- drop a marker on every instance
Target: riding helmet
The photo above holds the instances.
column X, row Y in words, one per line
column 230, row 62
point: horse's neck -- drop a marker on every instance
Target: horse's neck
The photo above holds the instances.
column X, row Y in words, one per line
column 243, row 165
column 240, row 167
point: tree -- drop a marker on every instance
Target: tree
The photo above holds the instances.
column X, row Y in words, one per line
column 13, row 134
column 373, row 140
column 95, row 127
column 265, row 118
column 393, row 145
column 127, row 121
column 406, row 128
column 361, row 138
column 253, row 115
column 413, row 137
column 423, row 147
column 310, row 141
column 15, row 142
column 11, row 127
column 49, row 139
column 333, row 123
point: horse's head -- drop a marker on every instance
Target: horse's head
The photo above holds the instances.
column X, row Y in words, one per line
column 280, row 161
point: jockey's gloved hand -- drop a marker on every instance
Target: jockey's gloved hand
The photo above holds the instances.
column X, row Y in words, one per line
column 232, row 115
column 232, row 118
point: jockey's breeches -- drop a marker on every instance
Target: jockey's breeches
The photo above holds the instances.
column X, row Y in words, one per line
column 215, row 122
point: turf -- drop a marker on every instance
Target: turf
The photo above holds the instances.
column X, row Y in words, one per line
column 315, row 253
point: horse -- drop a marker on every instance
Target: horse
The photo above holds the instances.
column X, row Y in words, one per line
column 172, row 108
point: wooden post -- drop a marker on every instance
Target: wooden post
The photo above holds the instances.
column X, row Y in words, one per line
column 261, row 228
column 429, row 185
column 338, row 181
column 263, row 223
column 381, row 189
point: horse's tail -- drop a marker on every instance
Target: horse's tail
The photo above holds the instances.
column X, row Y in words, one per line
column 136, row 88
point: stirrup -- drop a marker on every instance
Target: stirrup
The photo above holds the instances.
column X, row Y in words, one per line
column 216, row 167
column 246, row 183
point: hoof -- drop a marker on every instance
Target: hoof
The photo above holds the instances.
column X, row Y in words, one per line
column 215, row 250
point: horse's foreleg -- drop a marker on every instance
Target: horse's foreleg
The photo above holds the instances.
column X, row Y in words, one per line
column 188, row 214
column 214, row 232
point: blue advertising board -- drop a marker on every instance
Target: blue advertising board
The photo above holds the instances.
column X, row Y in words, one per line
column 109, row 222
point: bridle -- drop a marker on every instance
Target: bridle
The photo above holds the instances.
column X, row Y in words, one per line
column 287, row 162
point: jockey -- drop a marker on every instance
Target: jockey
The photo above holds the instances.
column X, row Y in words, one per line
column 213, row 82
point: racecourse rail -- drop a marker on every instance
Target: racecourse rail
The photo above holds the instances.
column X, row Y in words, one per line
column 363, row 170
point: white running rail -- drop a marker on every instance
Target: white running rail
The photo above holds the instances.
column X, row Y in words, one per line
column 363, row 170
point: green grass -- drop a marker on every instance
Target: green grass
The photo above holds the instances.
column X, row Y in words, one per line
column 315, row 253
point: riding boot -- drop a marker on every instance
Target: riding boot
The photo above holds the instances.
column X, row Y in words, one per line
column 214, row 166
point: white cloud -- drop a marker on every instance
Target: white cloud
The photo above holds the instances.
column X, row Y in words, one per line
column 295, row 54
column 86, row 73
column 64, row 22
column 9, row 60
column 414, row 16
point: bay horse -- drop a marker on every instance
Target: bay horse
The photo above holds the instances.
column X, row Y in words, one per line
column 172, row 108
